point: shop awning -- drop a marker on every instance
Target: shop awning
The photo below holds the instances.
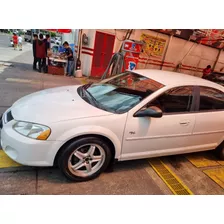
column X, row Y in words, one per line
column 60, row 30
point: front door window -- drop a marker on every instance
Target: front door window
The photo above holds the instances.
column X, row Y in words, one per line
column 176, row 100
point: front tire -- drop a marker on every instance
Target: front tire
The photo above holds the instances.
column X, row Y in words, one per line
column 84, row 159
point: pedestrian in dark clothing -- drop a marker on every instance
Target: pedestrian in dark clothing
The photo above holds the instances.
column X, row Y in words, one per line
column 35, row 38
column 70, row 58
column 48, row 47
column 41, row 53
column 47, row 41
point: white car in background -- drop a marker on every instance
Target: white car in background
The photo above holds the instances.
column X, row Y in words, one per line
column 134, row 115
column 27, row 36
column 11, row 44
column 58, row 41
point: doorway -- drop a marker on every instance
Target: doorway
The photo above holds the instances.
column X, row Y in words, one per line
column 103, row 50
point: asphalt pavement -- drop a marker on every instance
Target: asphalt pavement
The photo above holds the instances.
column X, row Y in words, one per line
column 4, row 40
column 196, row 174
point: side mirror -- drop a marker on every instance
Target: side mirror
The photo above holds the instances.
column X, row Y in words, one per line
column 150, row 112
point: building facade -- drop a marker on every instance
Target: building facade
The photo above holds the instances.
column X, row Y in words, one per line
column 160, row 51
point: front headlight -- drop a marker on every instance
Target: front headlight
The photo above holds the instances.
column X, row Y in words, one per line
column 34, row 131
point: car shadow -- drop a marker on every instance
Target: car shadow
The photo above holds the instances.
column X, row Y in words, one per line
column 54, row 175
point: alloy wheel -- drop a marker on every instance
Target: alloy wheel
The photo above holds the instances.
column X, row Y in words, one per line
column 86, row 160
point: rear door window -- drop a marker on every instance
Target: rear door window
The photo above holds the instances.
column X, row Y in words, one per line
column 211, row 99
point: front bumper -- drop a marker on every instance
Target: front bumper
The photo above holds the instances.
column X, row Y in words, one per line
column 28, row 151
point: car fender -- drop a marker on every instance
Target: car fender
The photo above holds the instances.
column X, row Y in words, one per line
column 91, row 130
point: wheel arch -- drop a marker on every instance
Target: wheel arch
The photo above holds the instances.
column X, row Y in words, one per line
column 104, row 138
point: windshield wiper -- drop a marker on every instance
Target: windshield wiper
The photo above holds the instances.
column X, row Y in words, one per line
column 93, row 99
column 89, row 96
column 86, row 86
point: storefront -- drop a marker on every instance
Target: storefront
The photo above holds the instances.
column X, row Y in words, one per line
column 160, row 50
column 102, row 44
column 56, row 59
column 181, row 52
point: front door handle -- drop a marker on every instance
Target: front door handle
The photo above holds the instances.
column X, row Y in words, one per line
column 185, row 122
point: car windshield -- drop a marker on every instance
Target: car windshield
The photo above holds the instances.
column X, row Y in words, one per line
column 120, row 93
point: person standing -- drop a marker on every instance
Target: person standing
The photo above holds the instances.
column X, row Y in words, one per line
column 15, row 40
column 48, row 47
column 35, row 38
column 41, row 53
column 20, row 41
column 48, row 43
column 70, row 58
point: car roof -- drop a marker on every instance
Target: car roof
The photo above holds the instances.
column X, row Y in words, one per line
column 168, row 78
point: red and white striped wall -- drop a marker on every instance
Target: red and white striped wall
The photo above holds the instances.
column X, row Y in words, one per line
column 192, row 62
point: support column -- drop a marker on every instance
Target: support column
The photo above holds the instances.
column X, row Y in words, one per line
column 166, row 50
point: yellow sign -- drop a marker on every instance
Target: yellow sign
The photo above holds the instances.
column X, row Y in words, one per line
column 153, row 45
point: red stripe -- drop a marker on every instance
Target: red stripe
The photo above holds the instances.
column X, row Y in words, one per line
column 166, row 64
column 85, row 48
column 194, row 70
column 169, row 66
column 86, row 52
column 151, row 63
column 182, row 66
column 145, row 59
column 188, row 66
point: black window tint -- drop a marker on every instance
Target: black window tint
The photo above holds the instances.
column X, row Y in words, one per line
column 176, row 100
column 211, row 99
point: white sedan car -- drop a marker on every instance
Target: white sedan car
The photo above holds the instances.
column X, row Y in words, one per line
column 134, row 115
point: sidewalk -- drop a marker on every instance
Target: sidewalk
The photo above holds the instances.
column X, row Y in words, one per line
column 18, row 79
column 8, row 54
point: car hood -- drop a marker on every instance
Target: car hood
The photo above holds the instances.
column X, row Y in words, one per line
column 53, row 105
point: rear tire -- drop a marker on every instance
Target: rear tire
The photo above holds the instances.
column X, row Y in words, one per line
column 220, row 151
column 84, row 159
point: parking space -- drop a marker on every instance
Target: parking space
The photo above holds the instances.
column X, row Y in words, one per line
column 195, row 171
column 216, row 175
column 199, row 173
column 209, row 165
column 6, row 162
